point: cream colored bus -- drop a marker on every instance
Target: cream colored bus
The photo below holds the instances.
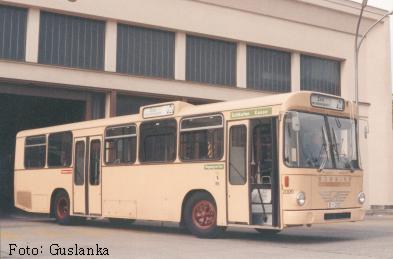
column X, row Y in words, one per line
column 266, row 163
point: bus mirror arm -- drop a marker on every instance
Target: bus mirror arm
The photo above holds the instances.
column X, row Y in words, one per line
column 366, row 128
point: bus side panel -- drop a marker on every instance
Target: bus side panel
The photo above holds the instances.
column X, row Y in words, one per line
column 33, row 188
column 156, row 192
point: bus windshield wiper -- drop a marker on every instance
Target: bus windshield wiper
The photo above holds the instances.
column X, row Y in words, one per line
column 326, row 148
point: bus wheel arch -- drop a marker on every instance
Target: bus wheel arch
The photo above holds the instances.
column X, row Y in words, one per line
column 185, row 199
column 60, row 206
column 193, row 201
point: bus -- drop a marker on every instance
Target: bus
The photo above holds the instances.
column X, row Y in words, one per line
column 266, row 163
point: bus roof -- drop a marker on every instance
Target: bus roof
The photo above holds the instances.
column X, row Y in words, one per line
column 183, row 109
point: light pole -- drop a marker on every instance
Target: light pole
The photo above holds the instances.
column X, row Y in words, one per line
column 358, row 44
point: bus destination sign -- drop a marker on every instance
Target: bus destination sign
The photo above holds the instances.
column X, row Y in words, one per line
column 327, row 102
column 158, row 111
column 249, row 113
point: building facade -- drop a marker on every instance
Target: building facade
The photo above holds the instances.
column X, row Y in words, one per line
column 64, row 61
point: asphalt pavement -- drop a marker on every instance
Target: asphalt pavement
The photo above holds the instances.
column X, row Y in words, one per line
column 40, row 237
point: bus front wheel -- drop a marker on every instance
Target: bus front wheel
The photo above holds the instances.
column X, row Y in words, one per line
column 200, row 216
column 62, row 208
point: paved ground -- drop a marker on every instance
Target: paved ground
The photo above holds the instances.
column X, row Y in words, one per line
column 372, row 238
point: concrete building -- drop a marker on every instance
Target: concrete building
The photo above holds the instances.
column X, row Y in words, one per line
column 64, row 61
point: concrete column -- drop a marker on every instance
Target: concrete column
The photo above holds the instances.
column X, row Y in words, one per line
column 108, row 105
column 241, row 65
column 113, row 103
column 110, row 46
column 89, row 107
column 32, row 34
column 180, row 56
column 295, row 72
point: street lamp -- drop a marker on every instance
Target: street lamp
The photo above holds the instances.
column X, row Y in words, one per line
column 358, row 44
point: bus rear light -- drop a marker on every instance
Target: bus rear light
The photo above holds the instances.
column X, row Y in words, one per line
column 286, row 181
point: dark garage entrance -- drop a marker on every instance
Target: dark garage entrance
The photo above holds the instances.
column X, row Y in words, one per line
column 19, row 112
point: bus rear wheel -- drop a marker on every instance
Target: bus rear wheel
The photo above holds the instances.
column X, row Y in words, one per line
column 62, row 208
column 200, row 216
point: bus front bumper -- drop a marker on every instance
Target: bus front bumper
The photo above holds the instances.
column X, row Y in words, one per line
column 309, row 217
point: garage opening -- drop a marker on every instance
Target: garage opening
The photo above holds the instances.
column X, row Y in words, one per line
column 18, row 113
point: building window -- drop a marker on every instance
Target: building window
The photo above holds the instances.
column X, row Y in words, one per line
column 158, row 141
column 238, row 155
column 13, row 22
column 59, row 149
column 319, row 74
column 145, row 52
column 35, row 151
column 268, row 70
column 120, row 145
column 201, row 138
column 71, row 41
column 97, row 106
column 210, row 61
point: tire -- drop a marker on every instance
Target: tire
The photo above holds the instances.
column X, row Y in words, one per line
column 62, row 208
column 268, row 231
column 200, row 216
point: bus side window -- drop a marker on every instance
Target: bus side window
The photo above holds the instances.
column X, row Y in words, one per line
column 59, row 149
column 238, row 155
column 95, row 151
column 158, row 141
column 79, row 163
column 35, row 152
column 201, row 138
column 120, row 145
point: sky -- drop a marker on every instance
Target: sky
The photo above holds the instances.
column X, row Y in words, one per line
column 387, row 5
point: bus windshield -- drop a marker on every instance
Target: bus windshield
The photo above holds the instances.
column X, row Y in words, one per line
column 320, row 141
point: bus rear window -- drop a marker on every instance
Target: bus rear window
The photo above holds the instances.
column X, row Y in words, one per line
column 201, row 138
column 158, row 141
column 59, row 149
column 120, row 145
column 35, row 151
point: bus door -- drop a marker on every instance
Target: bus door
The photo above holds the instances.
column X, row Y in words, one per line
column 238, row 184
column 264, row 185
column 87, row 176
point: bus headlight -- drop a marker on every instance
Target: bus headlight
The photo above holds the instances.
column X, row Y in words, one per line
column 361, row 197
column 301, row 198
